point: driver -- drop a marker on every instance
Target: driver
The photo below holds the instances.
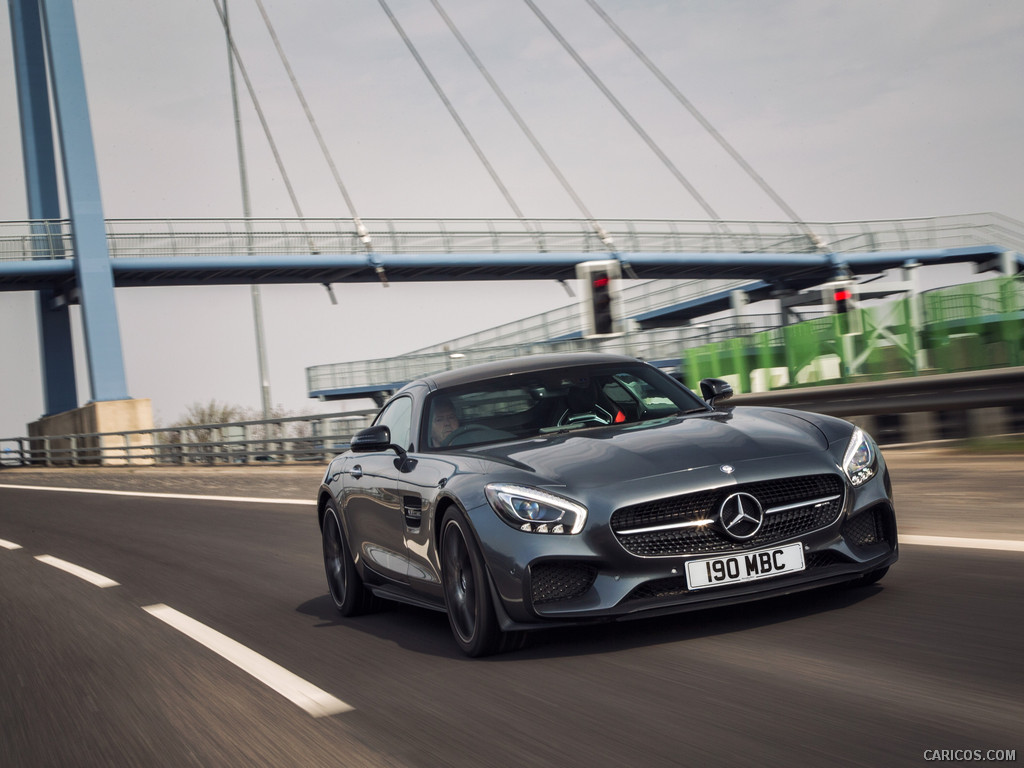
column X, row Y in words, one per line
column 443, row 421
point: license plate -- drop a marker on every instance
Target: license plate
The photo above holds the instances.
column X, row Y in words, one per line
column 747, row 566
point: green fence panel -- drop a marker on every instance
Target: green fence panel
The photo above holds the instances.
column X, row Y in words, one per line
column 965, row 327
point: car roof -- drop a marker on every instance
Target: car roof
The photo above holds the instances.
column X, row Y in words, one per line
column 527, row 364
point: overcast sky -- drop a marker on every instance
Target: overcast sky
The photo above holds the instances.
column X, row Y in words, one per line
column 851, row 110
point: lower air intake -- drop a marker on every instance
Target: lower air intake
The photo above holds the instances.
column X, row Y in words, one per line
column 554, row 582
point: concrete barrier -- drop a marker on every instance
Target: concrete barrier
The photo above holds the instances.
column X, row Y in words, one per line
column 83, row 424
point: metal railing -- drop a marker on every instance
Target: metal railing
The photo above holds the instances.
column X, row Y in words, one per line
column 144, row 238
column 35, row 240
column 943, row 395
column 632, row 301
column 661, row 344
column 282, row 440
column 711, row 346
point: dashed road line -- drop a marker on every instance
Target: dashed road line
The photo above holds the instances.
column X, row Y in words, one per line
column 1001, row 545
column 315, row 701
column 76, row 570
column 153, row 495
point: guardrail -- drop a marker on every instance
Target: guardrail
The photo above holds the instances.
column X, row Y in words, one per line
column 885, row 402
column 966, row 390
column 967, row 404
column 278, row 441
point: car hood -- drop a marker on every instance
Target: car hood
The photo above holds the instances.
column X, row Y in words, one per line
column 603, row 455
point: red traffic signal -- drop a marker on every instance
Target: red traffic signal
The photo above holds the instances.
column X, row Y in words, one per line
column 842, row 297
column 599, row 284
column 601, row 303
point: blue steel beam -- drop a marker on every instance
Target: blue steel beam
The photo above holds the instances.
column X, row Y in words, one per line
column 677, row 314
column 34, row 110
column 778, row 268
column 774, row 267
column 54, row 319
column 34, row 275
column 81, row 180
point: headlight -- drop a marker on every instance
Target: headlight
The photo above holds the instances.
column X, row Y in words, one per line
column 534, row 510
column 860, row 462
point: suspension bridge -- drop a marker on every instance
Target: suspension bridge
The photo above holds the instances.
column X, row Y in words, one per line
column 83, row 257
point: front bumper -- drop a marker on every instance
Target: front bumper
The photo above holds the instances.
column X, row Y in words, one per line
column 550, row 580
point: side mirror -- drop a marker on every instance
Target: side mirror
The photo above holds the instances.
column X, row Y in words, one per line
column 371, row 440
column 378, row 438
column 715, row 389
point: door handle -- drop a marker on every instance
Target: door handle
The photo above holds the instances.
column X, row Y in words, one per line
column 356, row 471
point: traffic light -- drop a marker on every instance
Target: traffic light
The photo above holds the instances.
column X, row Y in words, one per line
column 599, row 283
column 601, row 303
column 841, row 298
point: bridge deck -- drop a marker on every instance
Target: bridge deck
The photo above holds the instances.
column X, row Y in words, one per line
column 39, row 254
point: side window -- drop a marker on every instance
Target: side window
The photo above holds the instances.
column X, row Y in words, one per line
column 397, row 417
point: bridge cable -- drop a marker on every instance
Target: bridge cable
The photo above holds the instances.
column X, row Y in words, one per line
column 605, row 238
column 360, row 227
column 260, row 115
column 458, row 120
column 706, row 124
column 243, row 178
column 629, row 118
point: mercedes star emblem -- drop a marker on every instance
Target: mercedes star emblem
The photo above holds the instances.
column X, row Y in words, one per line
column 741, row 516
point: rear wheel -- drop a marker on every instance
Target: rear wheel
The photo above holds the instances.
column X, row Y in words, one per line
column 350, row 596
column 467, row 593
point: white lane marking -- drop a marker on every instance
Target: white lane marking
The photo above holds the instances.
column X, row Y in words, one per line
column 9, row 544
column 1002, row 545
column 76, row 570
column 192, row 496
column 316, row 702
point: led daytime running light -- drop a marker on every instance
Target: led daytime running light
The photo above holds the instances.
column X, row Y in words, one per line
column 535, row 511
column 860, row 463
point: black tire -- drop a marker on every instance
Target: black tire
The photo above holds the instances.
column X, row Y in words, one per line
column 467, row 593
column 868, row 578
column 350, row 595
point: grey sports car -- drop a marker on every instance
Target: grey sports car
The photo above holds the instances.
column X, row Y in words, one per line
column 563, row 489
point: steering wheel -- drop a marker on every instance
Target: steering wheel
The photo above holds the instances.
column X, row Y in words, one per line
column 584, row 417
column 465, row 429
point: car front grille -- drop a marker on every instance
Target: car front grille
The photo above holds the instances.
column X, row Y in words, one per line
column 803, row 504
column 552, row 582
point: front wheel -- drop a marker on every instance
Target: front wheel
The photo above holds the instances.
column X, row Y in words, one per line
column 467, row 593
column 350, row 596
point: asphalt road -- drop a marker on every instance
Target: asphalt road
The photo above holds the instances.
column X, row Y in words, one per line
column 929, row 659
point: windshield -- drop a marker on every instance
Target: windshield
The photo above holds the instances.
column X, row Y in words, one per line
column 531, row 404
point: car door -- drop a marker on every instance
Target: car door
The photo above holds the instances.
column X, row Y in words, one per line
column 419, row 488
column 372, row 503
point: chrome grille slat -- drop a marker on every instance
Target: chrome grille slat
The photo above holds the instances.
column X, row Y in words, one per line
column 797, row 505
column 667, row 527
